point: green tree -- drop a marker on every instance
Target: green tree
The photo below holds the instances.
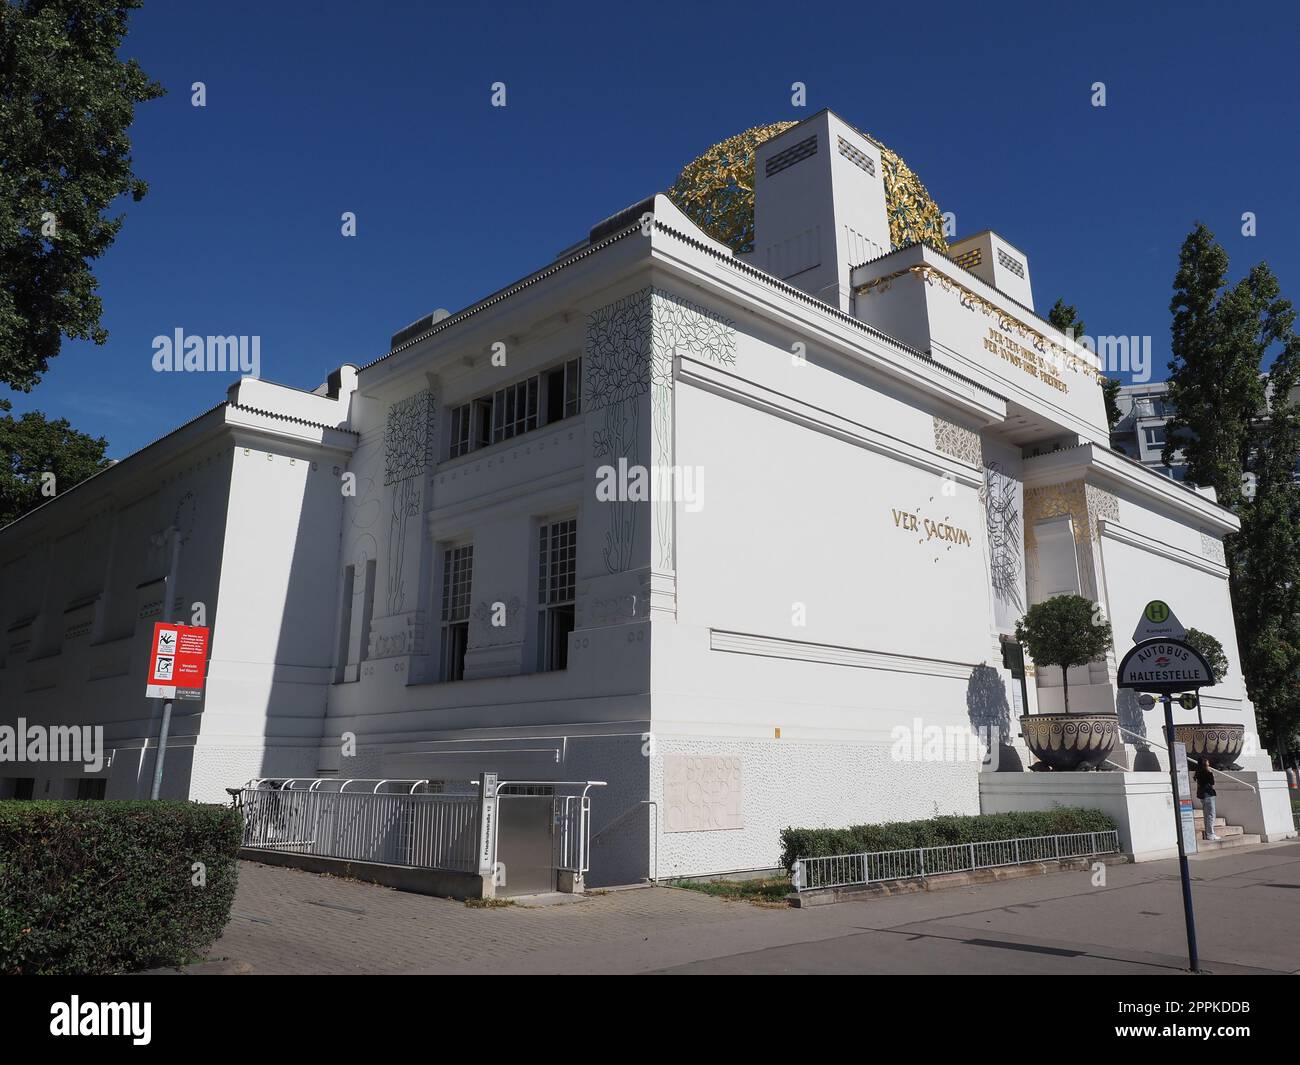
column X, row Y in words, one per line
column 32, row 447
column 1064, row 631
column 1066, row 319
column 1220, row 338
column 66, row 101
column 1211, row 650
column 1267, row 563
column 1232, row 420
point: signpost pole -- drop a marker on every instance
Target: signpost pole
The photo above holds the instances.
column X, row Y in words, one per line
column 168, row 596
column 1188, row 916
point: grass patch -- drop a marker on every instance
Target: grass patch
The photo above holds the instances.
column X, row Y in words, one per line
column 768, row 890
column 488, row 904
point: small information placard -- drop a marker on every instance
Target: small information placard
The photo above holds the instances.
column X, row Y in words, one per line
column 1186, row 808
column 178, row 661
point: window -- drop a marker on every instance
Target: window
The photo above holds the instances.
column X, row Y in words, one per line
column 345, row 625
column 457, row 575
column 1155, row 435
column 91, row 787
column 461, row 419
column 514, row 409
column 24, row 787
column 564, row 391
column 518, row 408
column 1154, row 406
column 557, row 557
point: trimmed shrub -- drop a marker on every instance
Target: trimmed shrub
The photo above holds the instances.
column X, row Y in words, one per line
column 90, row 887
column 938, row 832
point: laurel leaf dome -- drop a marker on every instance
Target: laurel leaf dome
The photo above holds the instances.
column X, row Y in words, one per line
column 716, row 191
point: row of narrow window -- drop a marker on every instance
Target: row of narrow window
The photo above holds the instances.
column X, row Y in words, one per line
column 517, row 408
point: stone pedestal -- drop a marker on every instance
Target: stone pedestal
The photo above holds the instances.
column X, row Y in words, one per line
column 1266, row 810
column 1141, row 803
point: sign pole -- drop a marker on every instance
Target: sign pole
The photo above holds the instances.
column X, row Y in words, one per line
column 1161, row 660
column 1188, row 916
column 169, row 595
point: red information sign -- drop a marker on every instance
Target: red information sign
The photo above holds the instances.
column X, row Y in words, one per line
column 177, row 661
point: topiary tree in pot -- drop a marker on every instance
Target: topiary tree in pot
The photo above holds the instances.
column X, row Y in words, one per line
column 1065, row 631
column 1211, row 650
column 1221, row 743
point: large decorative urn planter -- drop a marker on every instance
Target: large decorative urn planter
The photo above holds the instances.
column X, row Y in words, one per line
column 1070, row 741
column 1220, row 745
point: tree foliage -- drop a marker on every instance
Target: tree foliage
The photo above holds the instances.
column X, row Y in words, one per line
column 66, row 101
column 1064, row 631
column 1266, row 557
column 1221, row 336
column 32, row 447
column 1066, row 319
column 1211, row 650
column 1233, row 420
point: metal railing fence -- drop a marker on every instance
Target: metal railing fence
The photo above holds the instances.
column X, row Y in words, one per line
column 844, row 870
column 429, row 831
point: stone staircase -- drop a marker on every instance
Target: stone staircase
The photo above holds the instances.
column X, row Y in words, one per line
column 1232, row 835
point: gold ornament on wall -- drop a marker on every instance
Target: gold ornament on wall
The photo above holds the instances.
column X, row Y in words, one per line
column 716, row 191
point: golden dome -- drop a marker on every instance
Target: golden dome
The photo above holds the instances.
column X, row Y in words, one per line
column 716, row 191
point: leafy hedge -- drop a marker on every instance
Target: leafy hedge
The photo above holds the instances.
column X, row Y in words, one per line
column 90, row 887
column 937, row 832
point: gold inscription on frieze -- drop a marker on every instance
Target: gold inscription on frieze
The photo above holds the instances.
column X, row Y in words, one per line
column 909, row 521
column 1026, row 359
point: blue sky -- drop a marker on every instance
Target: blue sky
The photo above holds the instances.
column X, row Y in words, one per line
column 383, row 109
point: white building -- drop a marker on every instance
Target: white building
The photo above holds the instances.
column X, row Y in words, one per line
column 882, row 457
column 1145, row 411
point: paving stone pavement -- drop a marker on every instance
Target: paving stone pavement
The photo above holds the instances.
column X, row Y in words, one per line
column 289, row 921
column 292, row 922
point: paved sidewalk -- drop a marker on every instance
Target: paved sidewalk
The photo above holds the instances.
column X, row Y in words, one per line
column 1247, row 905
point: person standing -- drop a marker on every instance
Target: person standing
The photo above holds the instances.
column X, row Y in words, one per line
column 1205, row 792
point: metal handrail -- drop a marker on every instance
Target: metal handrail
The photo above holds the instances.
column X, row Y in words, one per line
column 584, row 813
column 397, row 828
column 844, row 870
column 1190, row 760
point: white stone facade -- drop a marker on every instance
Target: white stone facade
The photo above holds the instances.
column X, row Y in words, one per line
column 861, row 496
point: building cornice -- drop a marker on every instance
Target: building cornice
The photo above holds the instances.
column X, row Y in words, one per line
column 979, row 293
column 225, row 418
column 1101, row 464
column 1174, row 554
column 811, row 304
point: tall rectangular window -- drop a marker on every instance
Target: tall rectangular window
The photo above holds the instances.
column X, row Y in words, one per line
column 557, row 563
column 462, row 418
column 345, row 624
column 457, row 577
column 367, row 611
column 564, row 391
column 514, row 409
